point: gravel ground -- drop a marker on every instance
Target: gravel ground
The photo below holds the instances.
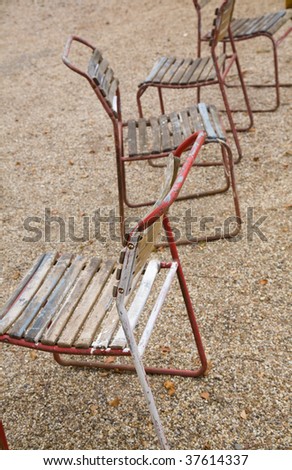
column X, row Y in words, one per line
column 58, row 154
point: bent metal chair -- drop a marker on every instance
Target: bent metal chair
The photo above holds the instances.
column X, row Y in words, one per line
column 69, row 305
column 3, row 440
column 152, row 139
column 243, row 29
column 180, row 73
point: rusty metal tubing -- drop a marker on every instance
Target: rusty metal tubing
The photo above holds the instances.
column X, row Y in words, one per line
column 3, row 440
column 277, row 85
column 129, row 367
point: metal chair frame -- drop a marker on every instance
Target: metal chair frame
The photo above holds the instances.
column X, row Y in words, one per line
column 238, row 37
column 223, row 16
column 111, row 102
column 43, row 300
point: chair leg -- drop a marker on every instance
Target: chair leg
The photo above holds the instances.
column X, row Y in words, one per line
column 185, row 294
column 3, row 440
column 142, row 374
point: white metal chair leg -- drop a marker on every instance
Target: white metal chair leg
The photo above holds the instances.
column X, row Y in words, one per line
column 142, row 376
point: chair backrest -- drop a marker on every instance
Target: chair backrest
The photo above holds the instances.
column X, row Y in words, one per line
column 222, row 20
column 141, row 244
column 103, row 77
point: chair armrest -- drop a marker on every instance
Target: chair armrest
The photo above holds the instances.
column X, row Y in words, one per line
column 196, row 140
column 65, row 56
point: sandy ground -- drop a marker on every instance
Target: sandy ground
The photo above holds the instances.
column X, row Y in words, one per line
column 58, row 154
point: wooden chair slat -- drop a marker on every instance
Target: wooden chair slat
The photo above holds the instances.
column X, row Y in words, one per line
column 27, row 294
column 217, row 124
column 199, row 69
column 206, row 120
column 280, row 22
column 93, row 63
column 156, row 136
column 238, row 24
column 109, row 75
column 212, row 73
column 58, row 296
column 85, row 305
column 138, row 304
column 186, row 128
column 157, row 66
column 105, row 304
column 19, row 327
column 176, row 129
column 207, row 71
column 181, row 71
column 162, row 71
column 110, row 323
column 111, row 96
column 165, row 135
column 100, row 72
column 196, row 118
column 143, row 141
column 61, row 317
column 21, row 285
column 168, row 77
column 189, row 72
column 132, row 138
column 225, row 20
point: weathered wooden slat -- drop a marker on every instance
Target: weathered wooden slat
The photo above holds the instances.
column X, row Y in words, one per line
column 225, row 21
column 21, row 286
column 108, row 77
column 189, row 72
column 162, row 71
column 100, row 72
column 156, row 136
column 111, row 321
column 165, row 134
column 27, row 294
column 89, row 298
column 199, row 69
column 157, row 66
column 272, row 20
column 138, row 304
column 176, row 129
column 65, row 285
column 281, row 21
column 93, row 63
column 196, row 119
column 212, row 74
column 217, row 124
column 21, row 324
column 105, row 304
column 186, row 128
column 172, row 71
column 211, row 134
column 111, row 96
column 132, row 138
column 238, row 24
column 143, row 141
column 181, row 71
column 62, row 316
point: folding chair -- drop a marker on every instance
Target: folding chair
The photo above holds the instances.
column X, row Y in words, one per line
column 3, row 440
column 69, row 305
column 268, row 26
column 152, row 139
column 180, row 73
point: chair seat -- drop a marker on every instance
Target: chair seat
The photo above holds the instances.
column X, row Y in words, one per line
column 165, row 133
column 63, row 301
column 170, row 71
column 266, row 24
column 66, row 301
column 269, row 23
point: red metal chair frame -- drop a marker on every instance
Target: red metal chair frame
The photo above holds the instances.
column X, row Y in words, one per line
column 221, row 17
column 132, row 255
column 121, row 159
column 3, row 440
column 238, row 38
